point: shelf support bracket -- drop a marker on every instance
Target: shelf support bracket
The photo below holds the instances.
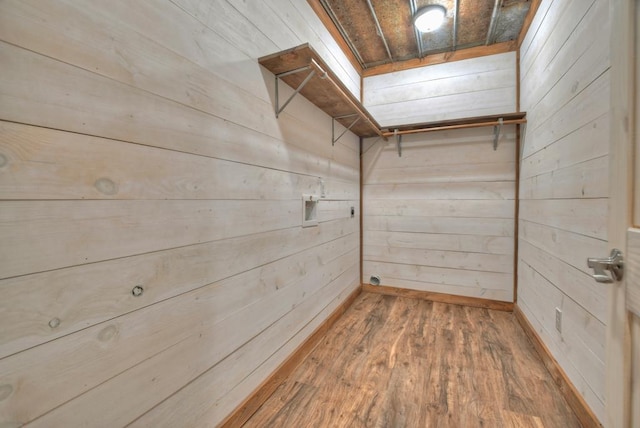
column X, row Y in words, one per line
column 298, row 89
column 398, row 138
column 334, row 140
column 496, row 133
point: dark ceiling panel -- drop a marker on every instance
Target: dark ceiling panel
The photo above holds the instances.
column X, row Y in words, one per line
column 512, row 15
column 474, row 21
column 393, row 16
column 358, row 23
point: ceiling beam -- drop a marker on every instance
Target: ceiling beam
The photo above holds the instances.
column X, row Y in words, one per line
column 456, row 12
column 441, row 58
column 342, row 31
column 380, row 33
column 414, row 9
column 491, row 34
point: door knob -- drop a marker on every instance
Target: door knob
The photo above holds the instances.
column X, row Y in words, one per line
column 614, row 264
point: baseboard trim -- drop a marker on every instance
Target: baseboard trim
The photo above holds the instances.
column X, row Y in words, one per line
column 439, row 297
column 582, row 410
column 251, row 404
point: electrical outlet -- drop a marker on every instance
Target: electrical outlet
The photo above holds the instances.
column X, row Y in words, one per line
column 559, row 320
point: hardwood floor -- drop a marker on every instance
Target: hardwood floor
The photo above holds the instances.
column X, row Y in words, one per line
column 399, row 362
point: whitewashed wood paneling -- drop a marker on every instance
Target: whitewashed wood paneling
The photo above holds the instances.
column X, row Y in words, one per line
column 48, row 164
column 224, row 385
column 64, row 296
column 564, row 63
column 468, row 88
column 279, row 24
column 140, row 147
column 441, row 217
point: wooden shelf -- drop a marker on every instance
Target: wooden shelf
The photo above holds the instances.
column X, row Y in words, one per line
column 324, row 89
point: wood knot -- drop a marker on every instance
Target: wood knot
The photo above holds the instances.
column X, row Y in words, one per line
column 54, row 323
column 107, row 333
column 106, row 186
column 574, row 87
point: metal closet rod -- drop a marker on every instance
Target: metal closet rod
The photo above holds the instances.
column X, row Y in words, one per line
column 445, row 127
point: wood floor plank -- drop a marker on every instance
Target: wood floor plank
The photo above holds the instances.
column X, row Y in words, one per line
column 392, row 361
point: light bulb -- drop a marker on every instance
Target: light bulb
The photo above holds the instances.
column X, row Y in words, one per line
column 429, row 18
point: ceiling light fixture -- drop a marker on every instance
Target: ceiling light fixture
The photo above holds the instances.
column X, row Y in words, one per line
column 429, row 18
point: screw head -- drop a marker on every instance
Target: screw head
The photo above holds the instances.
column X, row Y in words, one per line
column 137, row 291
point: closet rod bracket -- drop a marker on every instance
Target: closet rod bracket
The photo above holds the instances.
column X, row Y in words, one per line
column 496, row 133
column 298, row 89
column 398, row 138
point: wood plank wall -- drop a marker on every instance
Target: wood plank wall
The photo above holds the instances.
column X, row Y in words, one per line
column 138, row 146
column 441, row 217
column 468, row 88
column 564, row 185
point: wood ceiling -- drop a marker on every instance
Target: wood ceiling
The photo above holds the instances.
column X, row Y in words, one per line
column 381, row 32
